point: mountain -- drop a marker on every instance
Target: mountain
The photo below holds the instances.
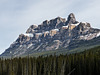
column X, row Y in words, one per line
column 54, row 35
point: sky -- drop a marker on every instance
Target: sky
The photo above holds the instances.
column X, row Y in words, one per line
column 17, row 15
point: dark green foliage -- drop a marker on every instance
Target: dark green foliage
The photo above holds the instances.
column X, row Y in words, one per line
column 84, row 63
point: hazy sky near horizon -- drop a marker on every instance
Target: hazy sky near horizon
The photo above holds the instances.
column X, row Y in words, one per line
column 17, row 15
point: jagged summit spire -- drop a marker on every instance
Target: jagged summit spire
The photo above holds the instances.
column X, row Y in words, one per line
column 72, row 15
column 71, row 19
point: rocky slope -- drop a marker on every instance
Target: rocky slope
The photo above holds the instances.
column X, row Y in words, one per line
column 52, row 35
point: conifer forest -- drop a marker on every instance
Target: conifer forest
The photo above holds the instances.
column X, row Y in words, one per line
column 83, row 63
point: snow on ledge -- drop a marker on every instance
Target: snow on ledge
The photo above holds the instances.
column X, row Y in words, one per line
column 98, row 34
column 65, row 26
column 76, row 24
column 38, row 33
column 84, row 22
column 55, row 29
column 28, row 34
column 46, row 32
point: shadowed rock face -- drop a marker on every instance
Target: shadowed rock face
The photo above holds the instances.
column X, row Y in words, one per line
column 71, row 19
column 51, row 35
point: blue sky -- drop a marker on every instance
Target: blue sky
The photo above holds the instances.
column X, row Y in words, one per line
column 17, row 15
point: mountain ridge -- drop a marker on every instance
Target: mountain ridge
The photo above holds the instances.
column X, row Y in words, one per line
column 52, row 35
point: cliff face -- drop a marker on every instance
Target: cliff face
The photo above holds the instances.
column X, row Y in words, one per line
column 52, row 35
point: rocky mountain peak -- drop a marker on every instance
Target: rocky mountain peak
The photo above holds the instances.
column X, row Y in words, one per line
column 51, row 35
column 46, row 22
column 71, row 19
column 31, row 29
column 71, row 15
column 60, row 19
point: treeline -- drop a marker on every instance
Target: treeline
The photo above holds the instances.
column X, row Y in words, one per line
column 84, row 63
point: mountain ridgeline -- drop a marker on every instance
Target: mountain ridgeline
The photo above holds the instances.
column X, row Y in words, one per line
column 54, row 35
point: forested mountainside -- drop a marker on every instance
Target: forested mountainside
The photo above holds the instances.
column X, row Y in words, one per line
column 53, row 35
column 83, row 63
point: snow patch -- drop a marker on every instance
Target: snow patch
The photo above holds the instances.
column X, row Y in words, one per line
column 84, row 22
column 38, row 33
column 76, row 24
column 29, row 45
column 28, row 34
column 88, row 36
column 56, row 29
column 35, row 25
column 65, row 26
column 46, row 32
column 98, row 34
column 20, row 46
